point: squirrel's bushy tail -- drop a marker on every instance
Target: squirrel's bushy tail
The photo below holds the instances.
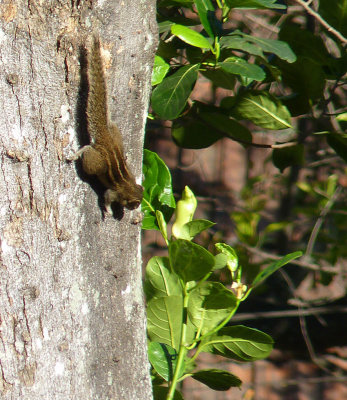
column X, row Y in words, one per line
column 97, row 98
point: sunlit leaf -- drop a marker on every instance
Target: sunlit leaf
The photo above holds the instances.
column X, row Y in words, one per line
column 281, row 49
column 163, row 359
column 157, row 190
column 230, row 253
column 239, row 66
column 273, row 267
column 190, row 36
column 239, row 343
column 189, row 230
column 170, row 96
column 160, row 69
column 209, row 304
column 258, row 46
column 160, row 281
column 189, row 260
column 264, row 110
column 207, row 16
column 164, row 320
column 239, row 43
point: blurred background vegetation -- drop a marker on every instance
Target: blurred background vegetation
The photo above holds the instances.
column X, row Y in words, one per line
column 270, row 189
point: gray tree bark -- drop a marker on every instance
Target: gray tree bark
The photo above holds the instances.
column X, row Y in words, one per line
column 72, row 319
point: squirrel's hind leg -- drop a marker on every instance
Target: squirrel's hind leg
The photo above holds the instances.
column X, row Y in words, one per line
column 92, row 161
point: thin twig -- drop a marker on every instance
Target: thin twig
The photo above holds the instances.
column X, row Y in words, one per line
column 320, row 220
column 315, row 380
column 313, row 267
column 262, row 23
column 319, row 163
column 328, row 27
column 305, row 312
column 303, row 326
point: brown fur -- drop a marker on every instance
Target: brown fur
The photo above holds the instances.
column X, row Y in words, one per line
column 104, row 157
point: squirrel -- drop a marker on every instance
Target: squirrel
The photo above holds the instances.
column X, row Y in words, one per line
column 104, row 156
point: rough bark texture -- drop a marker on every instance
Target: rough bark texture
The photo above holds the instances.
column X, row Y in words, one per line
column 72, row 321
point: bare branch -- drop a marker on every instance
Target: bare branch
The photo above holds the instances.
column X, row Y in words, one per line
column 328, row 27
column 305, row 312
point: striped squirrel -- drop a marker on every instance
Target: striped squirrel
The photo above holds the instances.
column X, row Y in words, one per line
column 104, row 156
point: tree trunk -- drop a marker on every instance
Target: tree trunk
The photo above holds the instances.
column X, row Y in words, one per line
column 72, row 319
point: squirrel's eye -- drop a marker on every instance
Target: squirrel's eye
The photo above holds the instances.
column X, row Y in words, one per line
column 133, row 204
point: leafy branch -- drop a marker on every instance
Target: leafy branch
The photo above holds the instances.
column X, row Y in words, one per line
column 188, row 311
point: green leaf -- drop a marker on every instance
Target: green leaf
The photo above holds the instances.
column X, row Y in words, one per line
column 189, row 133
column 273, row 267
column 236, row 42
column 264, row 110
column 258, row 46
column 206, row 13
column 165, row 25
column 163, row 359
column 193, row 133
column 160, row 281
column 220, row 261
column 170, row 96
column 228, row 102
column 230, row 127
column 194, row 55
column 217, row 379
column 288, row 156
column 246, row 226
column 160, row 69
column 307, row 80
column 189, row 230
column 305, row 43
column 190, row 333
column 157, row 190
column 276, row 226
column 338, row 143
column 209, row 304
column 190, row 36
column 168, row 50
column 164, row 320
column 239, row 343
column 255, row 4
column 232, row 259
column 220, row 78
column 335, row 13
column 281, row 49
column 161, row 392
column 342, row 117
column 189, row 260
column 239, row 66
